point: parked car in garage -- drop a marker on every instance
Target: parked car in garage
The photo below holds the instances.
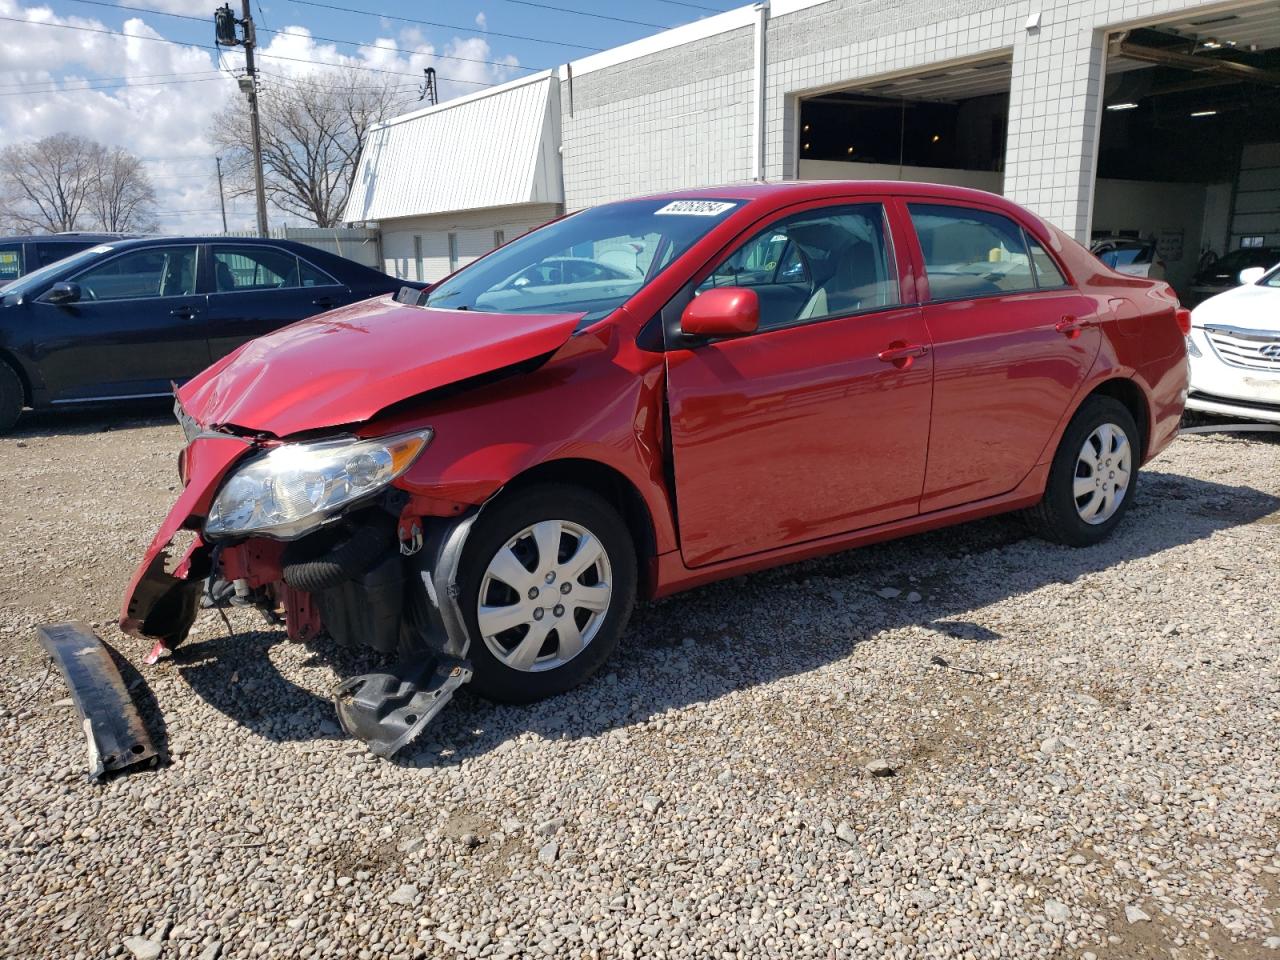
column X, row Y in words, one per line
column 801, row 368
column 126, row 319
column 21, row 255
column 1224, row 273
column 1129, row 255
column 1234, row 347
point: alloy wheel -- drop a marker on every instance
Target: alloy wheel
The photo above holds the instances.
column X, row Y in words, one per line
column 544, row 595
column 1103, row 468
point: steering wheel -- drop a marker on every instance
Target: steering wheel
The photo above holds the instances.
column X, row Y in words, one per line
column 88, row 293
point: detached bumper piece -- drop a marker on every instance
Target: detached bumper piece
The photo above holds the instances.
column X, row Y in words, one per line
column 388, row 710
column 117, row 738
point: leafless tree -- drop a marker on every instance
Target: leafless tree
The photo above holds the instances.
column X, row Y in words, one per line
column 68, row 182
column 313, row 129
column 123, row 199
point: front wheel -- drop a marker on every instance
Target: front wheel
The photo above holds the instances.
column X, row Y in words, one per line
column 1093, row 476
column 548, row 581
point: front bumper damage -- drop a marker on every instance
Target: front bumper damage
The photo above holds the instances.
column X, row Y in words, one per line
column 398, row 596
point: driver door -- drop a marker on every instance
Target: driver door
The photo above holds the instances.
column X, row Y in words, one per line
column 818, row 423
column 137, row 327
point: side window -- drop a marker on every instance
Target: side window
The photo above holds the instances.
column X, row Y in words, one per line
column 151, row 272
column 313, row 276
column 10, row 262
column 253, row 268
column 809, row 266
column 970, row 253
column 47, row 253
column 1047, row 272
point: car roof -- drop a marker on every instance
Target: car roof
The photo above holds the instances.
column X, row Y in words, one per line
column 65, row 237
column 778, row 194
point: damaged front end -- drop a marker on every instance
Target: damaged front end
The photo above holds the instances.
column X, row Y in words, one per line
column 314, row 536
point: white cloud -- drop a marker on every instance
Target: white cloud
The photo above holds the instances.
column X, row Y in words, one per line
column 167, row 122
column 482, row 21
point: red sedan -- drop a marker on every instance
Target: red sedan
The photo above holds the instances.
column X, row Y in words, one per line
column 484, row 479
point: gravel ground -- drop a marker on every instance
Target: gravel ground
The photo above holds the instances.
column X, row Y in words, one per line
column 1095, row 775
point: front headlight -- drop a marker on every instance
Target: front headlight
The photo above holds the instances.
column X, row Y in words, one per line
column 295, row 487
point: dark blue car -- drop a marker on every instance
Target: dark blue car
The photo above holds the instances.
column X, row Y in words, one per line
column 124, row 319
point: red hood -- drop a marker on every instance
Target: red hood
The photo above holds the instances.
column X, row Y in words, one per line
column 346, row 365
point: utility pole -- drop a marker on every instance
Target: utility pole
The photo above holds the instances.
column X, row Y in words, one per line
column 222, row 197
column 225, row 33
column 427, row 91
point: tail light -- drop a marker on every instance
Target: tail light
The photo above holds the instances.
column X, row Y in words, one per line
column 1183, row 316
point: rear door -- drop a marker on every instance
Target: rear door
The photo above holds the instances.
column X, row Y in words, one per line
column 137, row 327
column 257, row 288
column 818, row 423
column 1013, row 342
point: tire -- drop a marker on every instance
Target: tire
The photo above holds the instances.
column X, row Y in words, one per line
column 1078, row 515
column 507, row 667
column 11, row 397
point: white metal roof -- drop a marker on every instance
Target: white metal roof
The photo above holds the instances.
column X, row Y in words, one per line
column 489, row 149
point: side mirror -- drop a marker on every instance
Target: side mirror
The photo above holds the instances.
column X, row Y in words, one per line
column 1252, row 274
column 722, row 312
column 62, row 293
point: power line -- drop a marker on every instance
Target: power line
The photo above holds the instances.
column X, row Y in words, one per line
column 137, row 76
column 445, row 26
column 201, row 46
column 114, row 86
column 312, row 36
column 585, row 13
column 692, row 6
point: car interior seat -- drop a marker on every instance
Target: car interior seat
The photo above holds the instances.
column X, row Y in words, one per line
column 226, row 280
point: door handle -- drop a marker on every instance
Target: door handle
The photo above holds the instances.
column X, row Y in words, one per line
column 1070, row 327
column 182, row 313
column 325, row 302
column 901, row 354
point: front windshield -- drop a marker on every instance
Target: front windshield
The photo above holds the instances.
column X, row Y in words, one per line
column 37, row 278
column 1272, row 279
column 590, row 263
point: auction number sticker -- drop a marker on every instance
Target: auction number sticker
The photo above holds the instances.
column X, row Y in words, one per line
column 695, row 208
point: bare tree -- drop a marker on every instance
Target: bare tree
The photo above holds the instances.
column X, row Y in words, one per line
column 313, row 129
column 46, row 184
column 68, row 182
column 123, row 200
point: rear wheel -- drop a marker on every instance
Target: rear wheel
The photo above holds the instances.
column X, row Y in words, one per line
column 11, row 397
column 548, row 582
column 1093, row 476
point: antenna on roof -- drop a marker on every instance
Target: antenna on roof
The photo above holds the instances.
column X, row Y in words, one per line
column 428, row 89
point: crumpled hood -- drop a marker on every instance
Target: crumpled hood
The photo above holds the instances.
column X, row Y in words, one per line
column 346, row 365
column 1251, row 307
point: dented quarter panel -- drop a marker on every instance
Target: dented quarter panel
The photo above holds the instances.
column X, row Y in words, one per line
column 344, row 366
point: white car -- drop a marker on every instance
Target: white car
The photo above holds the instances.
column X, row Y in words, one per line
column 1234, row 349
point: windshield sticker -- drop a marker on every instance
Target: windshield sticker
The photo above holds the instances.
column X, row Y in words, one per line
column 102, row 249
column 695, row 208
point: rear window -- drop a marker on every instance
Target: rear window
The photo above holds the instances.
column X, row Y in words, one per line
column 10, row 262
column 47, row 253
column 971, row 253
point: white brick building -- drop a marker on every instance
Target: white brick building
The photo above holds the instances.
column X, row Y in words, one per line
column 1063, row 105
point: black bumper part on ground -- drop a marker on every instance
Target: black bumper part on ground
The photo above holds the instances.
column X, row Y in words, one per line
column 117, row 737
column 388, row 710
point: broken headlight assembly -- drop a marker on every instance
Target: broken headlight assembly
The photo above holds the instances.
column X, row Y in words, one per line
column 295, row 487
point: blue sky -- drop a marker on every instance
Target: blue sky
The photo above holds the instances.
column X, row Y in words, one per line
column 156, row 90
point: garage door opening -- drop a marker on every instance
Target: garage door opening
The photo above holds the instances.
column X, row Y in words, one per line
column 1188, row 177
column 946, row 125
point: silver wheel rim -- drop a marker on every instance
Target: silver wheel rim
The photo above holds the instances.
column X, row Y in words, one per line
column 1102, row 475
column 544, row 596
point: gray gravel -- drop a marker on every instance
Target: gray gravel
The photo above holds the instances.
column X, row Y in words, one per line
column 1093, row 773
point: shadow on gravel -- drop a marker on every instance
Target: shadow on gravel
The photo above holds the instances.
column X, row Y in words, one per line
column 121, row 415
column 699, row 645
